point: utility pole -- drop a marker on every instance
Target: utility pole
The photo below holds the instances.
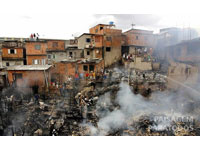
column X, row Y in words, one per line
column 132, row 25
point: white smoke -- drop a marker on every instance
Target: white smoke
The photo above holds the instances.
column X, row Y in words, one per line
column 133, row 106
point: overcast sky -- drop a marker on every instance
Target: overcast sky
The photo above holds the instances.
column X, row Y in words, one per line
column 63, row 19
column 65, row 26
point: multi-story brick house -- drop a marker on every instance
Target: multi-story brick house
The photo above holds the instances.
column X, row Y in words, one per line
column 109, row 39
column 36, row 52
column 13, row 53
column 137, row 39
column 55, row 50
column 73, row 52
column 91, row 44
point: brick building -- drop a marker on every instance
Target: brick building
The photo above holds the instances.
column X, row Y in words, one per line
column 36, row 52
column 110, row 44
column 137, row 39
column 13, row 53
column 36, row 77
column 55, row 50
column 62, row 70
column 91, row 45
column 73, row 52
column 186, row 51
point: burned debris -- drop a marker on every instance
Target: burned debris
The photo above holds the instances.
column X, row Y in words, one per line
column 101, row 83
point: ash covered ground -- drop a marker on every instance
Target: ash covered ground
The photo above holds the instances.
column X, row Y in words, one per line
column 127, row 103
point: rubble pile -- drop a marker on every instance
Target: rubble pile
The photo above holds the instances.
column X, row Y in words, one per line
column 148, row 126
column 146, row 82
column 52, row 115
column 94, row 109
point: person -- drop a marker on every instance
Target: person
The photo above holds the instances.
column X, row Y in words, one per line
column 104, row 76
column 81, row 75
column 94, row 75
column 110, row 74
column 10, row 103
column 91, row 74
column 154, row 75
column 31, row 36
column 69, row 79
column 131, row 56
column 97, row 76
column 36, row 99
column 76, row 77
column 61, row 90
column 144, row 75
column 57, row 85
column 102, row 70
column 87, row 75
column 149, row 57
column 124, row 55
column 38, row 36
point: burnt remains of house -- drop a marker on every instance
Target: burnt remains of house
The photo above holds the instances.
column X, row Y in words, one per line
column 77, row 87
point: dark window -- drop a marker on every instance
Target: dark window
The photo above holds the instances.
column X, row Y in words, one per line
column 49, row 56
column 37, row 47
column 12, row 51
column 85, row 67
column 137, row 37
column 7, row 64
column 91, row 67
column 17, row 76
column 88, row 52
column 109, row 38
column 55, row 44
column 70, row 54
column 101, row 28
column 108, row 49
column 88, row 40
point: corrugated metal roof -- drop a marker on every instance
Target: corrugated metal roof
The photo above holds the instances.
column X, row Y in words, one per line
column 97, row 60
column 29, row 67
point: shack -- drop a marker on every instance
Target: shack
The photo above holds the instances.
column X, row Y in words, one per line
column 36, row 77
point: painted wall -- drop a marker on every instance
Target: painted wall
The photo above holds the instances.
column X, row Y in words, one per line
column 139, row 64
column 76, row 53
column 12, row 62
column 56, row 56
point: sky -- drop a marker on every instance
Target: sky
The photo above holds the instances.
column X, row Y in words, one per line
column 61, row 19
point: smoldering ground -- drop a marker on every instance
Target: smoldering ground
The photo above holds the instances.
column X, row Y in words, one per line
column 164, row 108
